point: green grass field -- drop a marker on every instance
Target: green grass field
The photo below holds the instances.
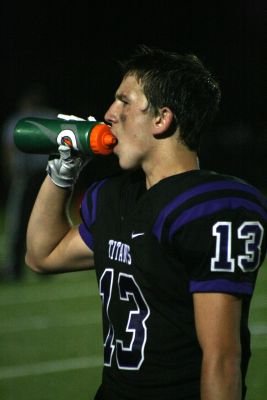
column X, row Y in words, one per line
column 50, row 338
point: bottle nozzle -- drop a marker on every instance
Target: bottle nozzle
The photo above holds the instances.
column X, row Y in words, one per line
column 109, row 140
column 102, row 140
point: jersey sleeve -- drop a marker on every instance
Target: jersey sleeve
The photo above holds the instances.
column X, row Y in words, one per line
column 219, row 236
column 88, row 213
column 223, row 253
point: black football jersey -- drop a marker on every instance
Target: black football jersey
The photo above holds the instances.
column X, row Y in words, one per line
column 193, row 232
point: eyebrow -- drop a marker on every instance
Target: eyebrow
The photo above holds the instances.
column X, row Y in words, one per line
column 121, row 96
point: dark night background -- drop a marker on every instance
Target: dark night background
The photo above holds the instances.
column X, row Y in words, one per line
column 72, row 51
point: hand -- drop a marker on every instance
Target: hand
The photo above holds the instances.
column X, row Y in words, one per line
column 64, row 171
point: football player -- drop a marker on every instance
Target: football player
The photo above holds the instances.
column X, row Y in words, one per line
column 176, row 249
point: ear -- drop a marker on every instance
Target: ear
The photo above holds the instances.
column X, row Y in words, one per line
column 163, row 121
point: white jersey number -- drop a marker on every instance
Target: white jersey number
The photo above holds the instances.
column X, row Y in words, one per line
column 251, row 235
column 130, row 356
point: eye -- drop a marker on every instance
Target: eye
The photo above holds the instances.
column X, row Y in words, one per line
column 123, row 99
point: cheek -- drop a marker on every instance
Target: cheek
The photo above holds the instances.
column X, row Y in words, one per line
column 123, row 118
column 134, row 129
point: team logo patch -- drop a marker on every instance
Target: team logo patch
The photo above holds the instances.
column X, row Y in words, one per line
column 67, row 137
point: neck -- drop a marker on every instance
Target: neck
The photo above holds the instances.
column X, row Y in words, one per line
column 170, row 161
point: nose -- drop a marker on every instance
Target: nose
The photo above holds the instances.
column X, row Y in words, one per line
column 110, row 116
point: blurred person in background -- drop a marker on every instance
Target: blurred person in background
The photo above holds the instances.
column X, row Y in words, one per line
column 23, row 174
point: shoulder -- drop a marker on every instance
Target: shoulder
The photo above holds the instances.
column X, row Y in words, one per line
column 116, row 186
column 199, row 187
column 204, row 195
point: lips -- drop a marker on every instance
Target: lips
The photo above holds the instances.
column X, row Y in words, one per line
column 114, row 134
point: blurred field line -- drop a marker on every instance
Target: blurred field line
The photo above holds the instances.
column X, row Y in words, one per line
column 34, row 296
column 260, row 328
column 40, row 322
column 48, row 367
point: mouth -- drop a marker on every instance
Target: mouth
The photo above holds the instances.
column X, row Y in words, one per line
column 115, row 137
column 115, row 148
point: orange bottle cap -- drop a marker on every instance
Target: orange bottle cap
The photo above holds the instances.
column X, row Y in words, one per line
column 102, row 140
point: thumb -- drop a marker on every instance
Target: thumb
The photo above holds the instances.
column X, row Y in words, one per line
column 64, row 151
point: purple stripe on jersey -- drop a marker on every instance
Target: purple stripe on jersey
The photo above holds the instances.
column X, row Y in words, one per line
column 221, row 286
column 198, row 190
column 85, row 210
column 86, row 236
column 212, row 206
column 88, row 215
column 94, row 200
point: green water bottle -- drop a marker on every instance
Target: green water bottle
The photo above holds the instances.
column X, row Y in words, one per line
column 43, row 136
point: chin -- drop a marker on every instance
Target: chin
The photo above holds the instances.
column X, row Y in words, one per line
column 127, row 164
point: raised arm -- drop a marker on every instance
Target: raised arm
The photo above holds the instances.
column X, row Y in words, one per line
column 218, row 328
column 53, row 244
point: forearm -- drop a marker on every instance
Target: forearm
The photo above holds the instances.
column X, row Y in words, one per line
column 221, row 379
column 48, row 223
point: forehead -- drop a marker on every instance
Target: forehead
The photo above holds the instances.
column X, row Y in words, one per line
column 130, row 88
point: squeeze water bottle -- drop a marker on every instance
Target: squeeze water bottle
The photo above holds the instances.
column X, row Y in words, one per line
column 43, row 136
